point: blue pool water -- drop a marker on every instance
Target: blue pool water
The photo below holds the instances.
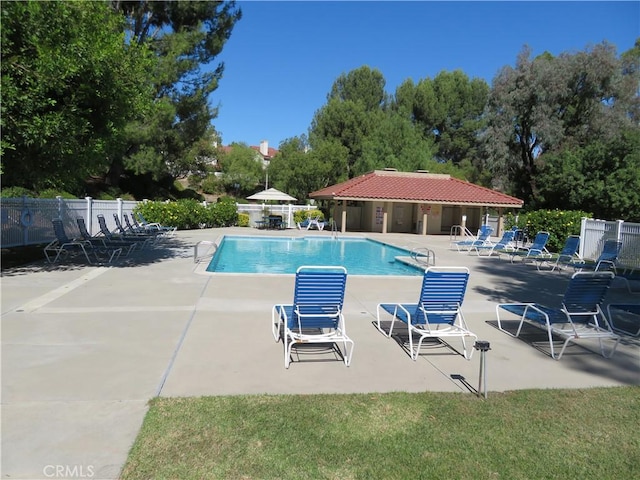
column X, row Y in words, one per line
column 360, row 256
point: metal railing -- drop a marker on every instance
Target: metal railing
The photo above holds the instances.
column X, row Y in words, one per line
column 424, row 256
column 197, row 258
column 459, row 230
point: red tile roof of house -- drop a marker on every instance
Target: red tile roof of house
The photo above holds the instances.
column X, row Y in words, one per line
column 415, row 187
column 271, row 152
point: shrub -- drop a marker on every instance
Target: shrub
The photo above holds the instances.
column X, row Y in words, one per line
column 243, row 219
column 224, row 213
column 189, row 213
column 53, row 193
column 559, row 223
column 301, row 215
column 194, row 181
column 212, row 185
column 16, row 192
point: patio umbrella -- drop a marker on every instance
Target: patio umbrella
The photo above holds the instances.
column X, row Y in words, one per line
column 271, row 194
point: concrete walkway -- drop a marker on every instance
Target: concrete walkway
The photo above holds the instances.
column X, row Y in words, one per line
column 84, row 348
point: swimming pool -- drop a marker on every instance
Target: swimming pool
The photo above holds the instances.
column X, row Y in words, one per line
column 280, row 255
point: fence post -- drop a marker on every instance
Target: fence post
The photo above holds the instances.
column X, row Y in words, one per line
column 25, row 229
column 89, row 214
column 619, row 230
column 583, row 236
column 59, row 199
column 119, row 200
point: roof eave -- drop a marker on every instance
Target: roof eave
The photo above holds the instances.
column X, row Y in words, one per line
column 403, row 200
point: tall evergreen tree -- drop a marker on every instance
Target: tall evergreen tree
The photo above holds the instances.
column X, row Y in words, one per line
column 185, row 37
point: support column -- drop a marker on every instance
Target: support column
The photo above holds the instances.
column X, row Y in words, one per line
column 424, row 223
column 384, row 220
column 344, row 216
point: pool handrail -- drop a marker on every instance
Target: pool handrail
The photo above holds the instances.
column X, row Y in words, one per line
column 196, row 258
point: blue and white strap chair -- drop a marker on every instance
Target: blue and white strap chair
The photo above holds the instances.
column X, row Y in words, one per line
column 316, row 314
column 483, row 238
column 436, row 314
column 580, row 317
column 536, row 251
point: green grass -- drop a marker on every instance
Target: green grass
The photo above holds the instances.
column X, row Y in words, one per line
column 532, row 434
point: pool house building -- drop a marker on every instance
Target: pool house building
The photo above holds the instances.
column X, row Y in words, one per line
column 388, row 201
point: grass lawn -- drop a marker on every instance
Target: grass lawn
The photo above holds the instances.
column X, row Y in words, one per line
column 530, row 434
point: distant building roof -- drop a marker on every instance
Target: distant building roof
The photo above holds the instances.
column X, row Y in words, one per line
column 415, row 187
column 271, row 152
column 267, row 152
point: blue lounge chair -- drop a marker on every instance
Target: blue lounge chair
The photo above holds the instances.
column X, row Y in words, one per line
column 168, row 230
column 579, row 317
column 134, row 227
column 567, row 255
column 102, row 242
column 140, row 242
column 64, row 246
column 483, row 238
column 537, row 250
column 315, row 316
column 309, row 223
column 130, row 234
column 625, row 318
column 437, row 313
column 505, row 244
column 606, row 261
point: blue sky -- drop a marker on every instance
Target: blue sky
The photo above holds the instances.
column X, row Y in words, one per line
column 283, row 57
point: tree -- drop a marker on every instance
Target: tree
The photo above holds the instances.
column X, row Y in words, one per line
column 184, row 37
column 550, row 104
column 242, row 169
column 362, row 85
column 395, row 143
column 70, row 84
column 449, row 110
column 355, row 104
column 600, row 178
column 300, row 171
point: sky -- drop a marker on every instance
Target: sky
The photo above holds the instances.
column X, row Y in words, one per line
column 283, row 56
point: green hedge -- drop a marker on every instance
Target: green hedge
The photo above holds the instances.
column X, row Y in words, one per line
column 559, row 223
column 189, row 214
column 301, row 215
column 243, row 219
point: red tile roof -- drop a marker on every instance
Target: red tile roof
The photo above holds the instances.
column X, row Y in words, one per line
column 415, row 187
column 271, row 152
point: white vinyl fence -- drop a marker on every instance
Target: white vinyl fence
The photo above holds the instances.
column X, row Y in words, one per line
column 257, row 211
column 593, row 234
column 27, row 221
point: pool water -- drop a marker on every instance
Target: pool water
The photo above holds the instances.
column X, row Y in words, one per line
column 360, row 256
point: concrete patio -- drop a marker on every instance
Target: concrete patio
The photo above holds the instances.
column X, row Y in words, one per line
column 85, row 348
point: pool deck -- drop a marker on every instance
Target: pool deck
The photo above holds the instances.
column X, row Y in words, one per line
column 84, row 348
